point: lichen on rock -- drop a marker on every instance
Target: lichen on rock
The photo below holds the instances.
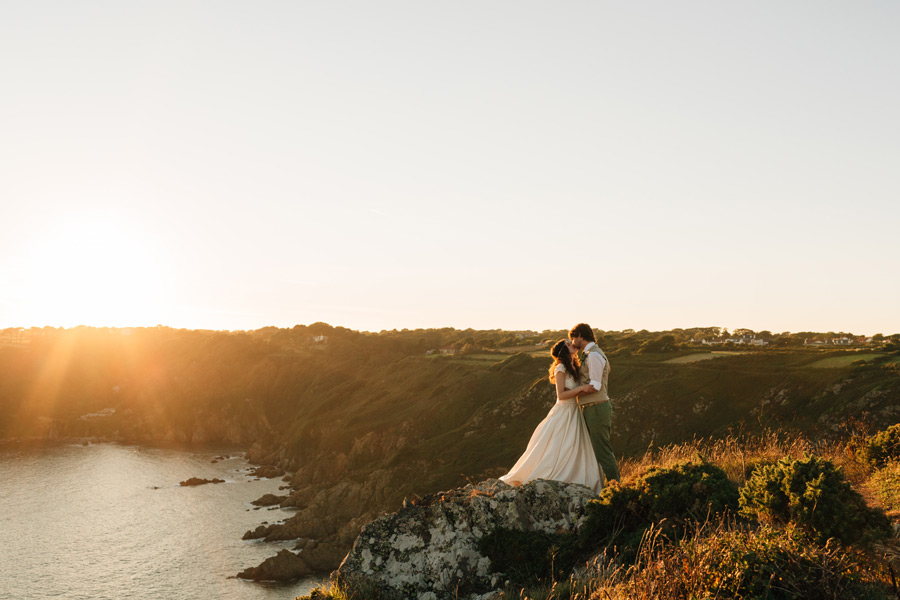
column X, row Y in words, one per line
column 432, row 547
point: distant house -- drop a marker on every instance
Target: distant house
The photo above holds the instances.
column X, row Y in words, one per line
column 758, row 342
column 320, row 338
column 450, row 351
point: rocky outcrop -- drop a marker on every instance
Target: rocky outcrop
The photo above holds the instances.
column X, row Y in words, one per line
column 430, row 550
column 267, row 472
column 284, row 566
column 330, row 517
column 197, row 481
column 269, row 500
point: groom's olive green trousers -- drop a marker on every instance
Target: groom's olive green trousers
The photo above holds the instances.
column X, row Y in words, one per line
column 598, row 418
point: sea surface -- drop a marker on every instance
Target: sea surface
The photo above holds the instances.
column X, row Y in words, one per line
column 109, row 521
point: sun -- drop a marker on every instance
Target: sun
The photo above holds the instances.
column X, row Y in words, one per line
column 98, row 272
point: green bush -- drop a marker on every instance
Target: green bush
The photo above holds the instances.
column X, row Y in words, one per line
column 887, row 484
column 813, row 494
column 882, row 447
column 673, row 498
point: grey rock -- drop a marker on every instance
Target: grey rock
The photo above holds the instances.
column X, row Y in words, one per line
column 431, row 547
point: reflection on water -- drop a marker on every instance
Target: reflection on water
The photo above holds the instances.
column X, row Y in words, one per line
column 111, row 521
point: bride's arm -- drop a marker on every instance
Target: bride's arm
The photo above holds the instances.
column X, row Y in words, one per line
column 562, row 393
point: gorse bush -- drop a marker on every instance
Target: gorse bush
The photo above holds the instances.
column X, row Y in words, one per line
column 886, row 481
column 674, row 498
column 882, row 447
column 813, row 494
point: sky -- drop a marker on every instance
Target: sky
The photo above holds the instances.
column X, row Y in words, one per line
column 493, row 165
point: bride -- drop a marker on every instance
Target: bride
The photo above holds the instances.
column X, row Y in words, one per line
column 560, row 448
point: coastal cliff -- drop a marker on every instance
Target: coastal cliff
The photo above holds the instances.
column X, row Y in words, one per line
column 399, row 422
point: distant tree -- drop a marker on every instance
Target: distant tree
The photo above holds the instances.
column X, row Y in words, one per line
column 486, row 342
column 320, row 328
column 665, row 343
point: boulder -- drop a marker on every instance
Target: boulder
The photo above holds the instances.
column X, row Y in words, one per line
column 430, row 548
column 284, row 566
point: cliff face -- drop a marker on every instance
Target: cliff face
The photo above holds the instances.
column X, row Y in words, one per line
column 136, row 425
column 451, row 422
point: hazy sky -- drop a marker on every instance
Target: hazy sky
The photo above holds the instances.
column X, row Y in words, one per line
column 516, row 165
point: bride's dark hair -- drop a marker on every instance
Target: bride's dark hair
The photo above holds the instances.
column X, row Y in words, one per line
column 562, row 356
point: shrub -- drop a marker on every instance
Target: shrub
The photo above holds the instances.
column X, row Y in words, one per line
column 887, row 485
column 881, row 447
column 813, row 494
column 673, row 497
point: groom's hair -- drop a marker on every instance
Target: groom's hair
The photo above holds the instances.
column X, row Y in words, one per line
column 584, row 331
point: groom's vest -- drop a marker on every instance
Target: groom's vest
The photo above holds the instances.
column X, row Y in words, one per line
column 601, row 395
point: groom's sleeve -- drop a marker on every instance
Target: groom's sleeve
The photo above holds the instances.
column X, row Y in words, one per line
column 595, row 365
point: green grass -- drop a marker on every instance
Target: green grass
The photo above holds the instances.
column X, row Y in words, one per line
column 692, row 358
column 484, row 358
column 839, row 362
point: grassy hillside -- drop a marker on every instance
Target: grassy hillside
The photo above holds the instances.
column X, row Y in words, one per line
column 365, row 420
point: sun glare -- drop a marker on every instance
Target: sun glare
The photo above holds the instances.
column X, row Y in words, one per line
column 96, row 272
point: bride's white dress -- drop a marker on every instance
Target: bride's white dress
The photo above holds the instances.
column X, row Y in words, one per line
column 560, row 447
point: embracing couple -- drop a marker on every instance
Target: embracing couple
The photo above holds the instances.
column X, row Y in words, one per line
column 572, row 442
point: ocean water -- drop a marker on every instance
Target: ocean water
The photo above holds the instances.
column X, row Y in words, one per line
column 109, row 521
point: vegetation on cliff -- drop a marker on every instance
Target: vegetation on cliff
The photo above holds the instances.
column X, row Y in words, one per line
column 767, row 550
column 363, row 421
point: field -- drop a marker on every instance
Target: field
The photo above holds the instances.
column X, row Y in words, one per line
column 839, row 362
column 691, row 358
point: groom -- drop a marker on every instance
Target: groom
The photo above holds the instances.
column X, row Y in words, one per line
column 595, row 407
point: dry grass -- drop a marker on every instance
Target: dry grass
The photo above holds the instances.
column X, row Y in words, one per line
column 727, row 560
column 738, row 455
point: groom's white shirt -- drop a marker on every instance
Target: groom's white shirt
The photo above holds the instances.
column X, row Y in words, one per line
column 595, row 365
